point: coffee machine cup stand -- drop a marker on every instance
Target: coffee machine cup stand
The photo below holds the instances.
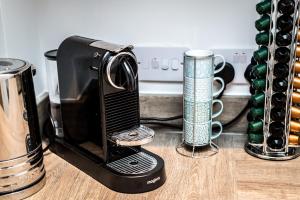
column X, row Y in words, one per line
column 99, row 96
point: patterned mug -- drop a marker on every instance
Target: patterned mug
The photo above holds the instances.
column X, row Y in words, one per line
column 201, row 112
column 200, row 134
column 204, row 89
column 203, row 61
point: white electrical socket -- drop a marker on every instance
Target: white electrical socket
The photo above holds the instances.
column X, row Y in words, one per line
column 164, row 64
column 161, row 69
column 160, row 64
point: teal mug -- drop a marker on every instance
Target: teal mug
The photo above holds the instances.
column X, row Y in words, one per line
column 198, row 135
column 203, row 91
column 204, row 61
column 201, row 112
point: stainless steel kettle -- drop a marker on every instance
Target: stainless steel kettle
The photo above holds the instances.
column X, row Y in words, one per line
column 22, row 171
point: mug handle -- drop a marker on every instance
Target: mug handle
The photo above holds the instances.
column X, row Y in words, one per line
column 216, row 135
column 220, row 111
column 224, row 63
column 221, row 89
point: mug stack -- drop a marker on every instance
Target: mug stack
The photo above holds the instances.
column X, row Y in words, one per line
column 199, row 70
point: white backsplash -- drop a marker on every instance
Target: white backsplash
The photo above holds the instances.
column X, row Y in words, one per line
column 32, row 27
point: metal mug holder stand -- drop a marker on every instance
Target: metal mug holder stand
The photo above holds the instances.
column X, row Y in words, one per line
column 288, row 151
column 193, row 151
column 197, row 152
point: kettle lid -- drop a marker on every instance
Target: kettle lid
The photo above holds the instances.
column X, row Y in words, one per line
column 9, row 65
column 51, row 55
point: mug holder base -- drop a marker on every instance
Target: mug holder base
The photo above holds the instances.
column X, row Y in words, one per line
column 276, row 156
column 197, row 152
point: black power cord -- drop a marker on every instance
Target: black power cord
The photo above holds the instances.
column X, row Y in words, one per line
column 48, row 130
column 163, row 124
column 162, row 121
column 227, row 74
column 46, row 148
column 241, row 114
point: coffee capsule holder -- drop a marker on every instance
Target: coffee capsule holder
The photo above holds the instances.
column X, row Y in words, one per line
column 288, row 151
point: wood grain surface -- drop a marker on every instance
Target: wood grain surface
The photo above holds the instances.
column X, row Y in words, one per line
column 231, row 174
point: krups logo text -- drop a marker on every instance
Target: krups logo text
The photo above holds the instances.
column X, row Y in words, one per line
column 153, row 180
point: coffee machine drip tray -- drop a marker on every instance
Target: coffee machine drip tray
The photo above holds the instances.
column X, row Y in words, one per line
column 135, row 164
column 133, row 137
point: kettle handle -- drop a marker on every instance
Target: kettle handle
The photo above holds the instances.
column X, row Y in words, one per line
column 33, row 70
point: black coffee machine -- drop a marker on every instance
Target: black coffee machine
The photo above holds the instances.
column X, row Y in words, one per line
column 99, row 96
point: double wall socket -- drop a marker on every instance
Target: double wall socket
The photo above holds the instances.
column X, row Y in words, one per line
column 165, row 64
column 160, row 64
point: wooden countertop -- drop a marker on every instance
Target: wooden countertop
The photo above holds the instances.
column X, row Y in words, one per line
column 231, row 174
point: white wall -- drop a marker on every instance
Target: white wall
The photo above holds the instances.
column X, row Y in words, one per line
column 2, row 46
column 190, row 23
column 22, row 35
